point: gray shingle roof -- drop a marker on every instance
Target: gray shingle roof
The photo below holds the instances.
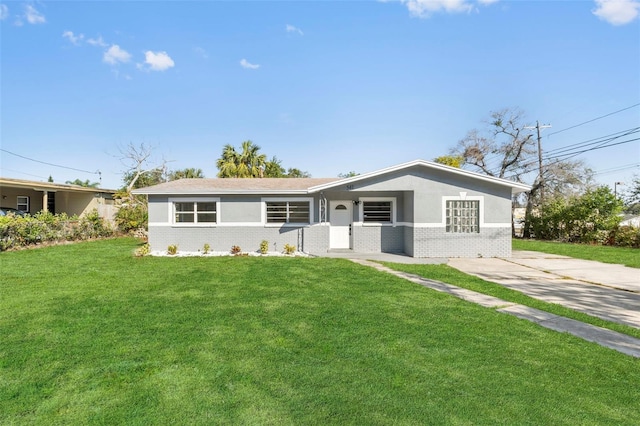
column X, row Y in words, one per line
column 235, row 185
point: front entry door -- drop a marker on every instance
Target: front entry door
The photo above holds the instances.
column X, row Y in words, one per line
column 340, row 216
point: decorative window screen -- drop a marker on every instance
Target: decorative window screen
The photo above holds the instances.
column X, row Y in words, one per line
column 195, row 212
column 288, row 212
column 463, row 216
column 376, row 211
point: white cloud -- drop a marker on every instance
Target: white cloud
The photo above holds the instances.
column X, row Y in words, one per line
column 33, row 16
column 617, row 12
column 292, row 29
column 96, row 42
column 426, row 8
column 157, row 61
column 246, row 64
column 115, row 54
column 74, row 39
column 4, row 12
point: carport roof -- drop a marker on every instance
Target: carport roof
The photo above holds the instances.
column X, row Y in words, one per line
column 49, row 186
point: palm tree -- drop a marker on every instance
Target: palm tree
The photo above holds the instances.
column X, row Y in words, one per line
column 227, row 163
column 246, row 164
column 189, row 173
column 85, row 183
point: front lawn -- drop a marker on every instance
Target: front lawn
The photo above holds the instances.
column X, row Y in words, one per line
column 91, row 335
column 608, row 254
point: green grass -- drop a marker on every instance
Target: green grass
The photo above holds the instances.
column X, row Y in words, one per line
column 91, row 335
column 449, row 275
column 618, row 255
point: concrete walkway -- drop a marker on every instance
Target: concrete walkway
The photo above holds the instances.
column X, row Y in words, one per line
column 610, row 292
column 608, row 338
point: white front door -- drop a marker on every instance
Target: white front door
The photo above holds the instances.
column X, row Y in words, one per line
column 340, row 215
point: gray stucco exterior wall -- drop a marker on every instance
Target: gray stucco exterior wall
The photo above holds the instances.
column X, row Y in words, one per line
column 248, row 238
column 419, row 195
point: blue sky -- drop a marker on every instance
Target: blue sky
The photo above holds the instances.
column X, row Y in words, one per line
column 326, row 86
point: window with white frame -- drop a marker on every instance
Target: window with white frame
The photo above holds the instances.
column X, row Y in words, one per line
column 377, row 211
column 463, row 216
column 195, row 212
column 23, row 203
column 279, row 211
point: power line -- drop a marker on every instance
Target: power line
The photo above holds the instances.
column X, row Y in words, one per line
column 51, row 164
column 549, row 161
column 594, row 119
column 573, row 154
column 587, row 146
column 593, row 141
column 617, row 169
column 17, row 171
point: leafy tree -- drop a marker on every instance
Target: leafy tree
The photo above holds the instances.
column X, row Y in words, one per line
column 85, row 183
column 248, row 163
column 189, row 173
column 450, row 160
column 587, row 218
column 632, row 196
column 348, row 174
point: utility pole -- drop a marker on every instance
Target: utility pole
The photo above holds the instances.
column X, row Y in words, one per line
column 540, row 171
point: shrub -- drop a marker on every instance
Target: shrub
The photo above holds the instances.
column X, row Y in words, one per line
column 625, row 236
column 235, row 250
column 289, row 249
column 143, row 250
column 172, row 249
column 588, row 218
column 264, row 246
column 206, row 248
column 131, row 217
column 16, row 231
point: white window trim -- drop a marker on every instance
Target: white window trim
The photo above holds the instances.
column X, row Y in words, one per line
column 361, row 221
column 172, row 217
column 28, row 203
column 464, row 197
column 263, row 207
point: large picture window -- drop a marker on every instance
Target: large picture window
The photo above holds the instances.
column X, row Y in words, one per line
column 195, row 212
column 376, row 211
column 288, row 212
column 463, row 216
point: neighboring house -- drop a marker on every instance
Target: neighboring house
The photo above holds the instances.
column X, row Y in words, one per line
column 32, row 197
column 420, row 208
column 630, row 220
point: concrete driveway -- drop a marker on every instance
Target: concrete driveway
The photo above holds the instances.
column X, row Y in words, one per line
column 610, row 292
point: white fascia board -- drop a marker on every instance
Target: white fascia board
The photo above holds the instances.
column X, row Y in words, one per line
column 516, row 186
column 218, row 193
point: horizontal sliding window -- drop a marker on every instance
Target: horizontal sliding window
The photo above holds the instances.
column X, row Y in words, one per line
column 288, row 211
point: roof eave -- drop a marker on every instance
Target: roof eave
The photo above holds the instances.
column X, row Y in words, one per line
column 222, row 192
column 516, row 187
